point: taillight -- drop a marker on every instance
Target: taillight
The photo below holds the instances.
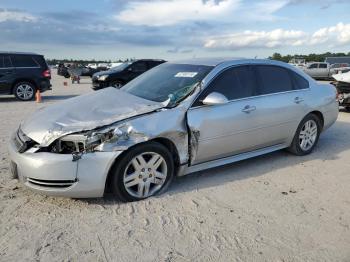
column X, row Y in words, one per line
column 47, row 73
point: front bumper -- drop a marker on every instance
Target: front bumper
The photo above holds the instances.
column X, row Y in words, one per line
column 97, row 85
column 57, row 175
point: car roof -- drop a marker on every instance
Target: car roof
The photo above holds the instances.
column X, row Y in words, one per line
column 206, row 61
column 17, row 53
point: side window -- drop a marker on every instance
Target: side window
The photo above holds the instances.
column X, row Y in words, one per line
column 322, row 65
column 2, row 62
column 299, row 81
column 313, row 66
column 23, row 61
column 273, row 79
column 139, row 67
column 234, row 83
column 7, row 62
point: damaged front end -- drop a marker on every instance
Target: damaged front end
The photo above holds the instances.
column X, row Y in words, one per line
column 103, row 140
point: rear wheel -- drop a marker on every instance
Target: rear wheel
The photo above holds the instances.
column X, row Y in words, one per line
column 143, row 171
column 24, row 91
column 306, row 136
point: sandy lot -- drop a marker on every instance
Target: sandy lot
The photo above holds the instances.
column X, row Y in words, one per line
column 276, row 207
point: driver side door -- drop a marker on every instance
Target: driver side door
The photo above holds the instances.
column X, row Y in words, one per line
column 226, row 129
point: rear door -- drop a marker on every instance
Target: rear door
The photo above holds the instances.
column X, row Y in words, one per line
column 280, row 104
column 323, row 70
column 7, row 74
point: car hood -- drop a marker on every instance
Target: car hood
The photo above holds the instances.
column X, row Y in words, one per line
column 83, row 113
column 108, row 72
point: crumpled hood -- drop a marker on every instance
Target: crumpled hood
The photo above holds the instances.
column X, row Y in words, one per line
column 83, row 113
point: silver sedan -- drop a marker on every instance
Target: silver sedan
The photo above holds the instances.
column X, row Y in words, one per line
column 175, row 119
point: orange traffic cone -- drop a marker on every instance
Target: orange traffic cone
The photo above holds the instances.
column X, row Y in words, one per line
column 38, row 96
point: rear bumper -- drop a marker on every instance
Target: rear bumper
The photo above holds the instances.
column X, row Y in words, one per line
column 45, row 85
column 57, row 175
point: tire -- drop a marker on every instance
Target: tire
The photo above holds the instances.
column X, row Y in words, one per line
column 347, row 108
column 309, row 128
column 117, row 84
column 24, row 91
column 131, row 178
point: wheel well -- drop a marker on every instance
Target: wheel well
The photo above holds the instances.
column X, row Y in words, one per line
column 163, row 141
column 320, row 116
column 22, row 80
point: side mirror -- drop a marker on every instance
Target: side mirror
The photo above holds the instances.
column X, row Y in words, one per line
column 215, row 98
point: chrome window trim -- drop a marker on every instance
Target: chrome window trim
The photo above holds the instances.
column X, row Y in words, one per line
column 254, row 97
column 251, row 97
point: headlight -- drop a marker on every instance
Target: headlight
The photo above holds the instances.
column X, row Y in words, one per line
column 102, row 77
column 90, row 141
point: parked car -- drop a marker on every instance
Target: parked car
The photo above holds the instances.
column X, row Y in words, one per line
column 122, row 74
column 342, row 84
column 175, row 119
column 320, row 70
column 22, row 74
column 62, row 70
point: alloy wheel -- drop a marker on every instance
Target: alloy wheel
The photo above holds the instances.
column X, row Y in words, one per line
column 25, row 91
column 308, row 135
column 145, row 174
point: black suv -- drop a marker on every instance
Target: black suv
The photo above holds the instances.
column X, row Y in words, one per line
column 22, row 74
column 122, row 74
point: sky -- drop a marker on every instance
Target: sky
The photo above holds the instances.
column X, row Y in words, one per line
column 174, row 29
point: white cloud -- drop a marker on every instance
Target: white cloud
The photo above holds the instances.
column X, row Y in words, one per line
column 333, row 36
column 258, row 39
column 161, row 13
column 171, row 12
column 10, row 15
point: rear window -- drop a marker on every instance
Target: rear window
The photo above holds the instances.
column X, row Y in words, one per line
column 23, row 61
column 273, row 79
column 299, row 81
column 41, row 61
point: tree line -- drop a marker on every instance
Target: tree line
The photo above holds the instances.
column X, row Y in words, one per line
column 308, row 58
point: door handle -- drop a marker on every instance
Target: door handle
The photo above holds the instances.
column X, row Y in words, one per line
column 247, row 109
column 298, row 100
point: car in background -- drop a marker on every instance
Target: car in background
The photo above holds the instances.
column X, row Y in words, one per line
column 22, row 74
column 62, row 70
column 124, row 73
column 175, row 119
column 321, row 70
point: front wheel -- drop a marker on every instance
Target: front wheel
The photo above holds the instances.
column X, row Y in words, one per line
column 117, row 84
column 24, row 91
column 306, row 136
column 143, row 171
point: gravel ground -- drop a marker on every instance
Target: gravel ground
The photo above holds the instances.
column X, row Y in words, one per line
column 277, row 207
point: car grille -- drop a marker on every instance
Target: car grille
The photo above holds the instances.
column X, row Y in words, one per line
column 51, row 183
column 22, row 142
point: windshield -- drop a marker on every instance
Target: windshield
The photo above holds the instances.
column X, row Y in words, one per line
column 120, row 67
column 167, row 82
